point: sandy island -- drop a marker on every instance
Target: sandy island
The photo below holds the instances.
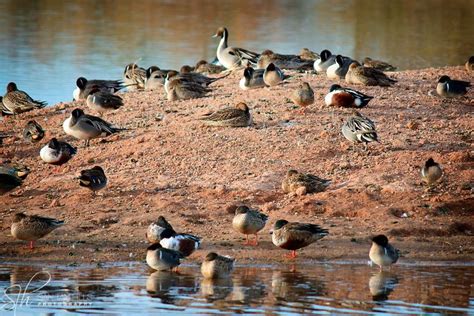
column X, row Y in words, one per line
column 170, row 164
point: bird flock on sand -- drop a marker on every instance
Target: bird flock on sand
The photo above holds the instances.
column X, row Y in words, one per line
column 168, row 247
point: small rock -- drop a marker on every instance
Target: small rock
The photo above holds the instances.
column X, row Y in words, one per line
column 301, row 191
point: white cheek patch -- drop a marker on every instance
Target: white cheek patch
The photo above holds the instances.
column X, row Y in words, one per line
column 357, row 102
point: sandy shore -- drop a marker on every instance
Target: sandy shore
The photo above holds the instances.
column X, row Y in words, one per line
column 169, row 164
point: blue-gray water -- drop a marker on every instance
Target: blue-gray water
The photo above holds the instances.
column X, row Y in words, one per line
column 46, row 45
column 132, row 289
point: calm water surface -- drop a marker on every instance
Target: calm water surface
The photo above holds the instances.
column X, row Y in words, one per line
column 46, row 45
column 129, row 289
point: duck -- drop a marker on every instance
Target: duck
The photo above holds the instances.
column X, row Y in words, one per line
column 181, row 89
column 449, row 88
column 470, row 64
column 192, row 77
column 339, row 69
column 216, row 266
column 153, row 233
column 87, row 127
column 326, row 59
column 12, row 176
column 303, row 183
column 33, row 227
column 303, row 95
column 56, row 152
column 84, row 87
column 33, row 132
column 382, row 253
column 94, row 179
column 249, row 221
column 346, row 97
column 307, row 54
column 294, row 236
column 367, row 76
column 232, row 57
column 252, row 79
column 268, row 57
column 155, row 78
column 204, row 67
column 273, row 75
column 360, row 129
column 378, row 64
column 186, row 244
column 431, row 172
column 134, row 77
column 237, row 116
column 162, row 259
column 16, row 101
column 103, row 101
column 3, row 109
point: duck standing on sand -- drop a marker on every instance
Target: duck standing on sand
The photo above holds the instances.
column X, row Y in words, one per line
column 232, row 57
column 238, row 116
column 56, row 152
column 84, row 87
column 32, row 227
column 248, row 221
column 134, row 77
column 162, row 259
column 303, row 183
column 94, row 179
column 303, row 96
column 431, row 172
column 16, row 101
column 293, row 236
column 215, row 266
column 360, row 129
column 449, row 88
column 382, row 253
column 346, row 97
column 103, row 101
column 33, row 132
column 367, row 76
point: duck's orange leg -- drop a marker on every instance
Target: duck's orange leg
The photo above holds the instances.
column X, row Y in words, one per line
column 291, row 255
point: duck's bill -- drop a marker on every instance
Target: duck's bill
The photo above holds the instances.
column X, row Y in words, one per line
column 215, row 35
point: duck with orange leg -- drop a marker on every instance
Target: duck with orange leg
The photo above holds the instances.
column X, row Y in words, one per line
column 249, row 222
column 294, row 236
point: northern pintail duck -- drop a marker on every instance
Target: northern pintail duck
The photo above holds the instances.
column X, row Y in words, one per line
column 16, row 101
column 339, row 69
column 155, row 78
column 155, row 229
column 84, row 87
column 283, row 61
column 293, row 236
column 134, row 77
column 56, row 152
column 303, row 183
column 94, row 179
column 103, row 101
column 451, row 88
column 273, row 75
column 3, row 109
column 215, row 266
column 325, row 60
column 303, row 95
column 181, row 89
column 367, row 76
column 32, row 227
column 186, row 244
column 186, row 69
column 346, row 97
column 12, row 176
column 307, row 54
column 431, row 172
column 378, row 64
column 470, row 64
column 193, row 77
column 237, row 116
column 249, row 222
column 162, row 259
column 382, row 253
column 86, row 127
column 359, row 128
column 252, row 79
column 232, row 57
column 204, row 67
column 33, row 132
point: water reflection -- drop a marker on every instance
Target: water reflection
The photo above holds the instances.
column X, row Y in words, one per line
column 46, row 45
column 335, row 288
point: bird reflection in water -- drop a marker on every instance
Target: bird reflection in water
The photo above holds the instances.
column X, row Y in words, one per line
column 381, row 284
column 169, row 287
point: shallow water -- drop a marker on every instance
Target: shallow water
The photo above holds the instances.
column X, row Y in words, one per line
column 131, row 288
column 46, row 45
